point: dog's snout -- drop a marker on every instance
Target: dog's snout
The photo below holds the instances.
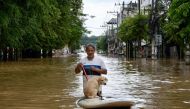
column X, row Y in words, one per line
column 104, row 83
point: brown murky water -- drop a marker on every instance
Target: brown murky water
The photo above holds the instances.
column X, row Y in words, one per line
column 52, row 84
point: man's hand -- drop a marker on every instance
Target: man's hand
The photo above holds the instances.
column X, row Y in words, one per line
column 78, row 68
column 80, row 65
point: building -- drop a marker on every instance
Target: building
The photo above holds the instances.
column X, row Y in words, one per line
column 127, row 10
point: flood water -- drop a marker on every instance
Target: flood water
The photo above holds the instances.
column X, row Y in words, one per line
column 52, row 84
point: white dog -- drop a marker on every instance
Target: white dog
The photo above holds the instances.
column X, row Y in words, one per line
column 92, row 86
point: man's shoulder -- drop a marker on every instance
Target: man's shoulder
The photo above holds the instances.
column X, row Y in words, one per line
column 83, row 59
column 98, row 58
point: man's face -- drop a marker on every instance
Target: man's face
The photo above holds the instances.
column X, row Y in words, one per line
column 90, row 52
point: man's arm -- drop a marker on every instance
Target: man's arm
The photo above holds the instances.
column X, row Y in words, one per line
column 101, row 71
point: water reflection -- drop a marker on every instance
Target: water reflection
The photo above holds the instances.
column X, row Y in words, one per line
column 36, row 84
column 52, row 83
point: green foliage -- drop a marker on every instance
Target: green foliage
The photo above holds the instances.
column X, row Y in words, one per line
column 86, row 40
column 10, row 29
column 178, row 26
column 40, row 24
column 101, row 43
column 134, row 28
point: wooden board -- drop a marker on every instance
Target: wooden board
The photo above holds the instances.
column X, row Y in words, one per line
column 97, row 103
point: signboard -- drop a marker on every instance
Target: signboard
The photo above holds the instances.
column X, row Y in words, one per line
column 158, row 39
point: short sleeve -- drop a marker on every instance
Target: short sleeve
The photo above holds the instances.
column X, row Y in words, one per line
column 82, row 60
column 103, row 66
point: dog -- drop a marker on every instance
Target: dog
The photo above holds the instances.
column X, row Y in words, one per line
column 92, row 86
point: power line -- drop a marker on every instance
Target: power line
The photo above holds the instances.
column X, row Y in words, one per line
column 95, row 27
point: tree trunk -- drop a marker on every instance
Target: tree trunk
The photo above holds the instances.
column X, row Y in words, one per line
column 187, row 55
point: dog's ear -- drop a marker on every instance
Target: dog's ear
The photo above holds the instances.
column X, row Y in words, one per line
column 100, row 80
column 104, row 78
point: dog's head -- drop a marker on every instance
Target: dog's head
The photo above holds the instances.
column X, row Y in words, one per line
column 102, row 80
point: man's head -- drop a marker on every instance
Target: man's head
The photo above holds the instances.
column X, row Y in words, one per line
column 90, row 50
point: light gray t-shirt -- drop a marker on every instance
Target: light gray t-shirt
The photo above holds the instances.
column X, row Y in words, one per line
column 96, row 62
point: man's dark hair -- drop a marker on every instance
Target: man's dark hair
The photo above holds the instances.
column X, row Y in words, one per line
column 90, row 45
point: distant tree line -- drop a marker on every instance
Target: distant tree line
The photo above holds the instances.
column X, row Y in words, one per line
column 86, row 40
column 98, row 41
column 29, row 28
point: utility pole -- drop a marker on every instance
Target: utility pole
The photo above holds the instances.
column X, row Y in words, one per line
column 113, row 33
column 116, row 18
column 122, row 9
column 139, row 7
column 120, row 44
column 153, row 28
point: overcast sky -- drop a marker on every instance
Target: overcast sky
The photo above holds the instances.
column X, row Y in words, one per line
column 99, row 9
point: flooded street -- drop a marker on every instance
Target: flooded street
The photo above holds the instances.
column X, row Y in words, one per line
column 52, row 83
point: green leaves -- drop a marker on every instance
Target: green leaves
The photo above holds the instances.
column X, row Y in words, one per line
column 134, row 28
column 101, row 44
column 178, row 26
column 39, row 24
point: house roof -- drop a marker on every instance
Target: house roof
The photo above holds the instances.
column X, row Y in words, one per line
column 112, row 21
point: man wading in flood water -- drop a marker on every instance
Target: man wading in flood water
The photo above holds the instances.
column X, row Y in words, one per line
column 93, row 66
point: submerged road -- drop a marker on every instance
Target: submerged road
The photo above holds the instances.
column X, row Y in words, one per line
column 52, row 84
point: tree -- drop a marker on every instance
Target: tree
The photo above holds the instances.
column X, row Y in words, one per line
column 86, row 40
column 70, row 26
column 133, row 29
column 40, row 24
column 177, row 28
column 101, row 44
